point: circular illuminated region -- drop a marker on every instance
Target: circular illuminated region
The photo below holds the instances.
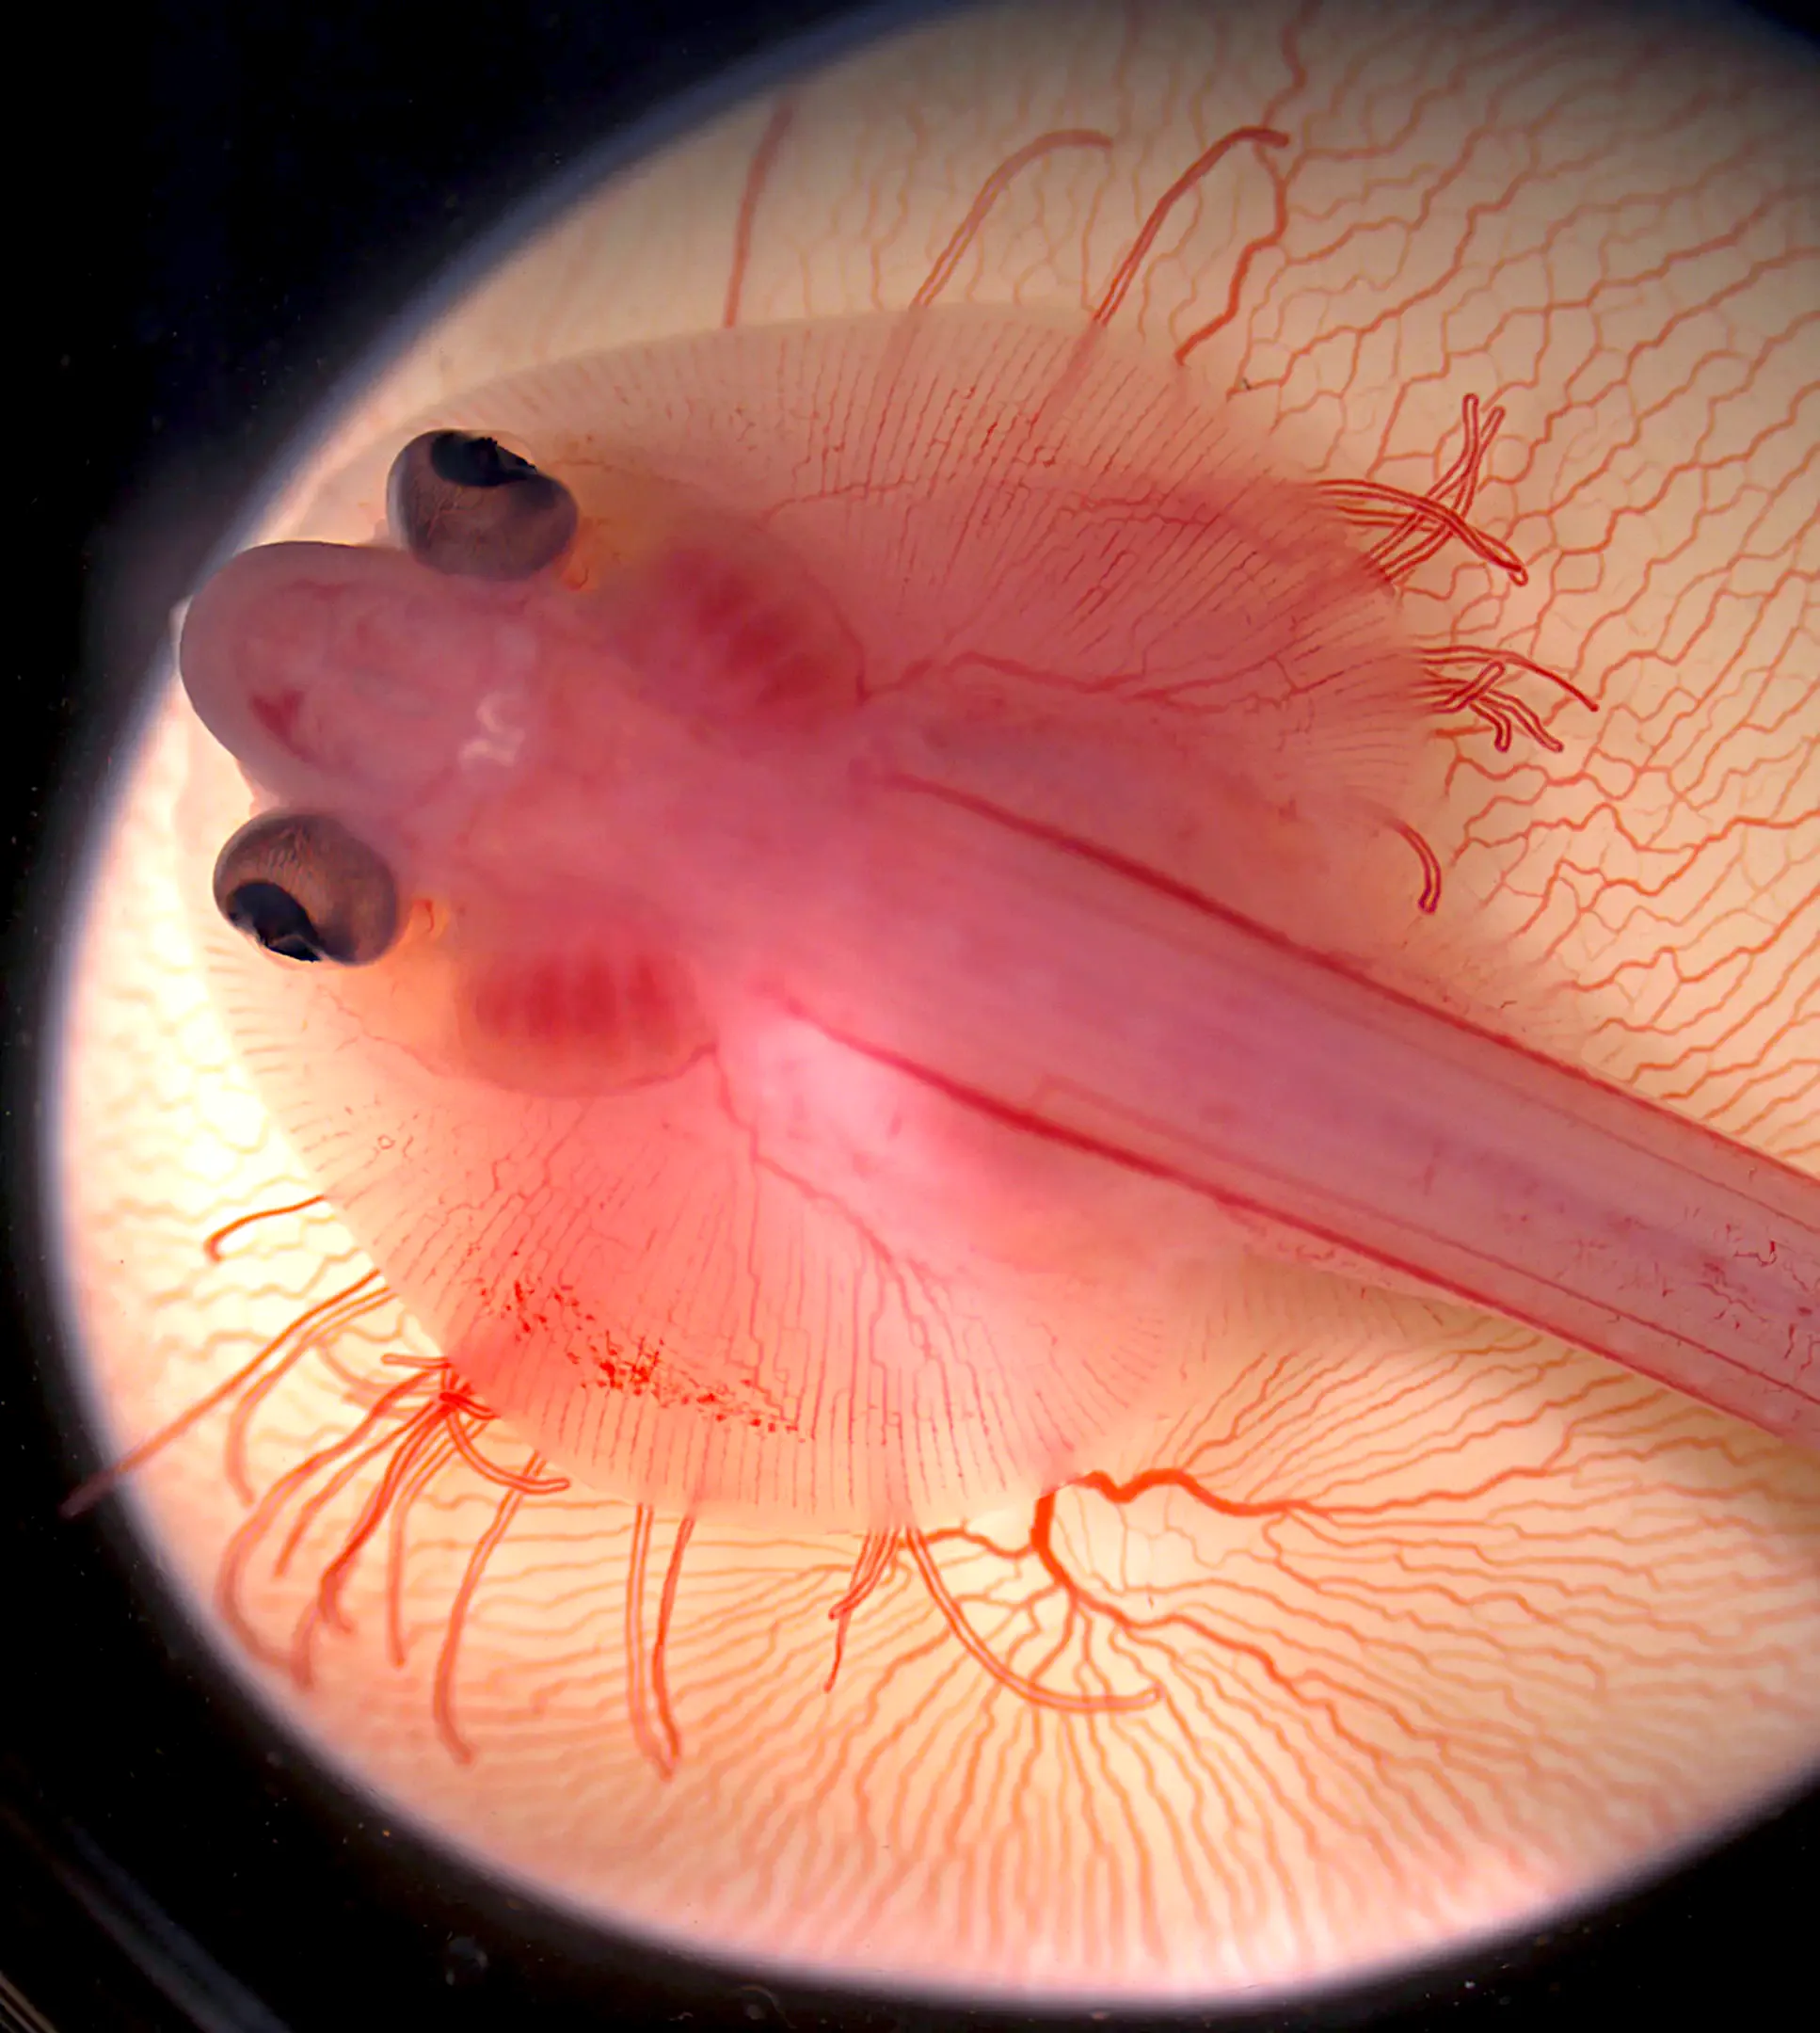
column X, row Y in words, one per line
column 1345, row 1625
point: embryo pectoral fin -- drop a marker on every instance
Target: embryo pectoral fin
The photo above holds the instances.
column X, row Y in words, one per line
column 609, row 1009
column 728, row 629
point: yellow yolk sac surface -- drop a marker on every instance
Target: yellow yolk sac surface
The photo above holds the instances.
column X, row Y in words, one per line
column 1076, row 1236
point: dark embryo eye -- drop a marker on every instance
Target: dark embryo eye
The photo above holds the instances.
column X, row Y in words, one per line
column 302, row 885
column 460, row 503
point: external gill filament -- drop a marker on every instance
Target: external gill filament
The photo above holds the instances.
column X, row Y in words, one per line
column 433, row 1435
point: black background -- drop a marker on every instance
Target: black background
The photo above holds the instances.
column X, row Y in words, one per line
column 217, row 206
